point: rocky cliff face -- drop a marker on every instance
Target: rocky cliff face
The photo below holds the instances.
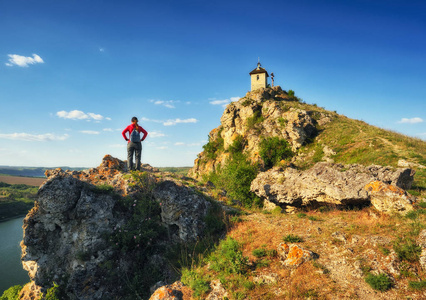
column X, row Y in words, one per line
column 337, row 185
column 260, row 114
column 90, row 228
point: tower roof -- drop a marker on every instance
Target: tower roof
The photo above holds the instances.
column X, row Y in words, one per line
column 259, row 70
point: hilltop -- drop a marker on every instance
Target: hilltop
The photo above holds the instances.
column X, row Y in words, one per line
column 287, row 201
column 268, row 119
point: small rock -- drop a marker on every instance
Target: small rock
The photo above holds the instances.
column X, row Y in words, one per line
column 293, row 255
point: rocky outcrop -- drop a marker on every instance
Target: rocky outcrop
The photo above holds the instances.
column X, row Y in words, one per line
column 265, row 111
column 68, row 235
column 335, row 184
column 292, row 255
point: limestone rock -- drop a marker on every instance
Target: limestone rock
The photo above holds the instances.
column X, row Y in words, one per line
column 65, row 233
column 218, row 291
column 325, row 184
column 169, row 292
column 388, row 198
column 421, row 241
column 264, row 110
column 292, row 255
column 182, row 210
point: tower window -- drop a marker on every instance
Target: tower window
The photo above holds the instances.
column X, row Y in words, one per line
column 257, row 77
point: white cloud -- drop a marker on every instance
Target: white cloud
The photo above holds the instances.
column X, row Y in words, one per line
column 33, row 137
column 187, row 145
column 162, row 147
column 223, row 102
column 79, row 115
column 108, row 129
column 23, row 61
column 89, row 132
column 177, row 121
column 168, row 103
column 156, row 134
column 101, row 49
column 411, row 121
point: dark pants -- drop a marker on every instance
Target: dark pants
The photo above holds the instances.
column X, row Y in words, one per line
column 137, row 149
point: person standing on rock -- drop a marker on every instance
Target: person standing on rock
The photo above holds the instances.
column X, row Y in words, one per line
column 134, row 143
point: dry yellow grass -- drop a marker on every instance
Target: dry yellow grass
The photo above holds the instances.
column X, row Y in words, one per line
column 34, row 181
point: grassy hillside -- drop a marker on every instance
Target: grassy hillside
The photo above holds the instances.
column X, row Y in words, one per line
column 354, row 141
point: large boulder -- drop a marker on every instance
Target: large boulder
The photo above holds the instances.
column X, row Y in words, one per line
column 327, row 184
column 67, row 235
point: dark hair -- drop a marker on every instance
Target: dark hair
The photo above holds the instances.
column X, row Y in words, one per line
column 134, row 119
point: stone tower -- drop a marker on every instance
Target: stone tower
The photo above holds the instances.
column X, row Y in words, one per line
column 259, row 78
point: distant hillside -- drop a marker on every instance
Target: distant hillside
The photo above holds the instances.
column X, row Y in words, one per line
column 30, row 171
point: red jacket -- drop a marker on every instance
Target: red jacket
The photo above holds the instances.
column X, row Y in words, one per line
column 130, row 128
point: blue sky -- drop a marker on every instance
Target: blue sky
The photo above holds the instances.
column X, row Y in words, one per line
column 73, row 73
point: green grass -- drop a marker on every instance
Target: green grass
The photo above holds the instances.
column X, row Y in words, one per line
column 417, row 285
column 16, row 200
column 379, row 282
column 291, row 238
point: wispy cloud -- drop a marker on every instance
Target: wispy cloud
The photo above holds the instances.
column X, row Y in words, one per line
column 411, row 120
column 79, row 115
column 108, row 129
column 178, row 121
column 101, row 49
column 223, row 102
column 171, row 122
column 156, row 134
column 168, row 103
column 187, row 145
column 89, row 132
column 23, row 61
column 33, row 137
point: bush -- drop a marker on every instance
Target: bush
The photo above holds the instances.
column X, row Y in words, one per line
column 290, row 93
column 228, row 258
column 237, row 145
column 290, row 238
column 255, row 119
column 379, row 282
column 259, row 252
column 213, row 146
column 417, row 285
column 407, row 249
column 11, row 293
column 195, row 281
column 235, row 177
column 273, row 150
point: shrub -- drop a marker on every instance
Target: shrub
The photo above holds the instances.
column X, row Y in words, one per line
column 228, row 258
column 379, row 282
column 213, row 146
column 53, row 293
column 195, row 281
column 11, row 293
column 255, row 119
column 235, row 177
column 290, row 93
column 407, row 249
column 273, row 150
column 259, row 252
column 417, row 285
column 290, row 238
column 237, row 145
